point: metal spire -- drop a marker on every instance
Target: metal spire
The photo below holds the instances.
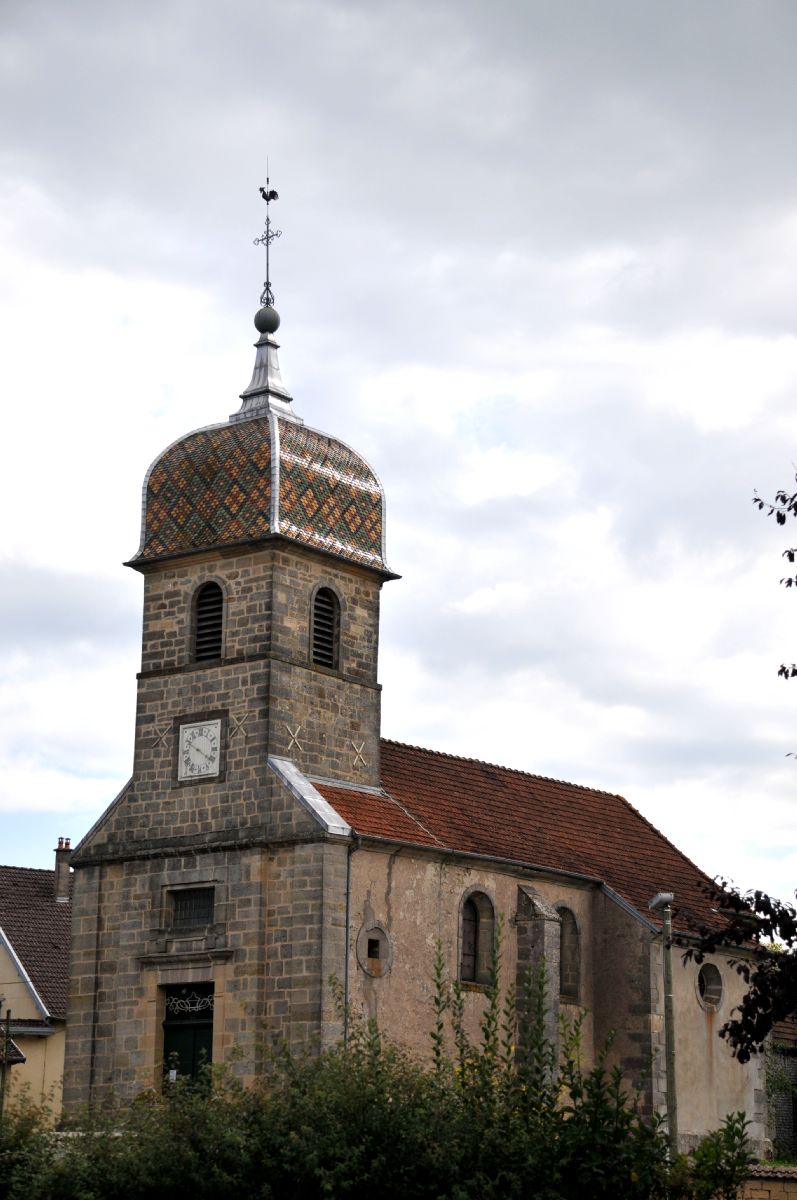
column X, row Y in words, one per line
column 265, row 239
column 266, row 391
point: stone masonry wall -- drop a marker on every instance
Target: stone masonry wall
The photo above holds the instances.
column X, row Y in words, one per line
column 269, row 697
column 337, row 713
column 305, row 942
column 538, row 932
column 278, row 932
column 279, row 883
column 623, row 1001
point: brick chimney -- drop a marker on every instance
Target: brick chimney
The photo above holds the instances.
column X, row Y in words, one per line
column 61, row 882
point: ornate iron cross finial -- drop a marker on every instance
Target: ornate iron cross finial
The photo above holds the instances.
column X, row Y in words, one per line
column 265, row 239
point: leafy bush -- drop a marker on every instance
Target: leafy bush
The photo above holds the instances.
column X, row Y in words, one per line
column 26, row 1141
column 720, row 1161
column 482, row 1121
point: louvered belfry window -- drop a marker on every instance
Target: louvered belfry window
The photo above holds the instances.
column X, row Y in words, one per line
column 326, row 628
column 209, row 622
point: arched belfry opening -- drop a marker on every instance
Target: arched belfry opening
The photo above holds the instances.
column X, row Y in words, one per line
column 208, row 622
column 326, row 629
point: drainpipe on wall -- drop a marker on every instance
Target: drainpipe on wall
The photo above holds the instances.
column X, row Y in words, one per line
column 347, row 945
column 662, row 903
column 4, row 1064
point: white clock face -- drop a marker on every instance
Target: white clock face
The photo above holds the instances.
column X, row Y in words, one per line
column 200, row 747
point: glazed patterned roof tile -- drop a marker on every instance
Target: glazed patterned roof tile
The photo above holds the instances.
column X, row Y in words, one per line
column 329, row 497
column 477, row 808
column 209, row 489
column 215, row 487
column 38, row 929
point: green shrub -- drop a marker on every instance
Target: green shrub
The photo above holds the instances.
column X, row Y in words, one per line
column 720, row 1161
column 482, row 1121
column 26, row 1143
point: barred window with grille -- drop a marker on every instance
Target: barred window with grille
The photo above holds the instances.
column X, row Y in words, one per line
column 208, row 622
column 192, row 907
column 326, row 629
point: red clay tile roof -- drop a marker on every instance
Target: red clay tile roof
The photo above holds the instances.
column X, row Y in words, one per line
column 38, row 929
column 473, row 807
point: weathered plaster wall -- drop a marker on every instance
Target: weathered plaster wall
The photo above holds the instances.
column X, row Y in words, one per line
column 417, row 900
column 711, row 1083
column 15, row 990
column 41, row 1075
column 44, row 1068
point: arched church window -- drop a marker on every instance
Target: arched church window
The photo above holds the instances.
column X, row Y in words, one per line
column 477, row 928
column 569, row 957
column 208, row 622
column 326, row 629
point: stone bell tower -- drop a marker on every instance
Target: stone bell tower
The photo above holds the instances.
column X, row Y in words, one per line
column 262, row 551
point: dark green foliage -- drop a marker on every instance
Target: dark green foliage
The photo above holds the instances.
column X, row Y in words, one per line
column 188, row 1142
column 483, row 1121
column 765, row 930
column 754, row 920
column 721, row 1160
column 26, row 1143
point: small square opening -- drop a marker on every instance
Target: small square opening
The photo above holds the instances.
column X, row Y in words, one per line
column 192, row 908
column 373, row 947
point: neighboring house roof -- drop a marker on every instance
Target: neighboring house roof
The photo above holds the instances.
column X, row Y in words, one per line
column 784, row 1033
column 38, row 930
column 471, row 807
column 10, row 1052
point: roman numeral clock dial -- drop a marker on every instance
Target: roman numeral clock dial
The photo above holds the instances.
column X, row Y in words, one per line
column 199, row 752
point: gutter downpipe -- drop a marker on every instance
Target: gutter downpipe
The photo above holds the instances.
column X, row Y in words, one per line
column 347, row 944
column 4, row 1068
column 669, row 1032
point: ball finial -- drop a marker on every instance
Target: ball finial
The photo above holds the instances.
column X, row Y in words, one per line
column 267, row 319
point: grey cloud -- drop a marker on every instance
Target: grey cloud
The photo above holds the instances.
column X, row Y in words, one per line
column 625, row 120
column 42, row 608
column 444, row 169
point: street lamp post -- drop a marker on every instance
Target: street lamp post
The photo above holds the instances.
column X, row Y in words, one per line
column 662, row 903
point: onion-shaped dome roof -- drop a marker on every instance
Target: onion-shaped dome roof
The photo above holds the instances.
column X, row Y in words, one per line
column 257, row 477
column 263, row 474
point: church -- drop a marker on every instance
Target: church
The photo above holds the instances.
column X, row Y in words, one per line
column 270, row 839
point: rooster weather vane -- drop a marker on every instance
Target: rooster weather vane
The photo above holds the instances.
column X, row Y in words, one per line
column 266, row 238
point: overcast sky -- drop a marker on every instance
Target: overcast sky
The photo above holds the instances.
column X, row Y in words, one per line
column 538, row 264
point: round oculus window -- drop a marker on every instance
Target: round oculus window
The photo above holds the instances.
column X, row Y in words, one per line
column 374, row 951
column 709, row 987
